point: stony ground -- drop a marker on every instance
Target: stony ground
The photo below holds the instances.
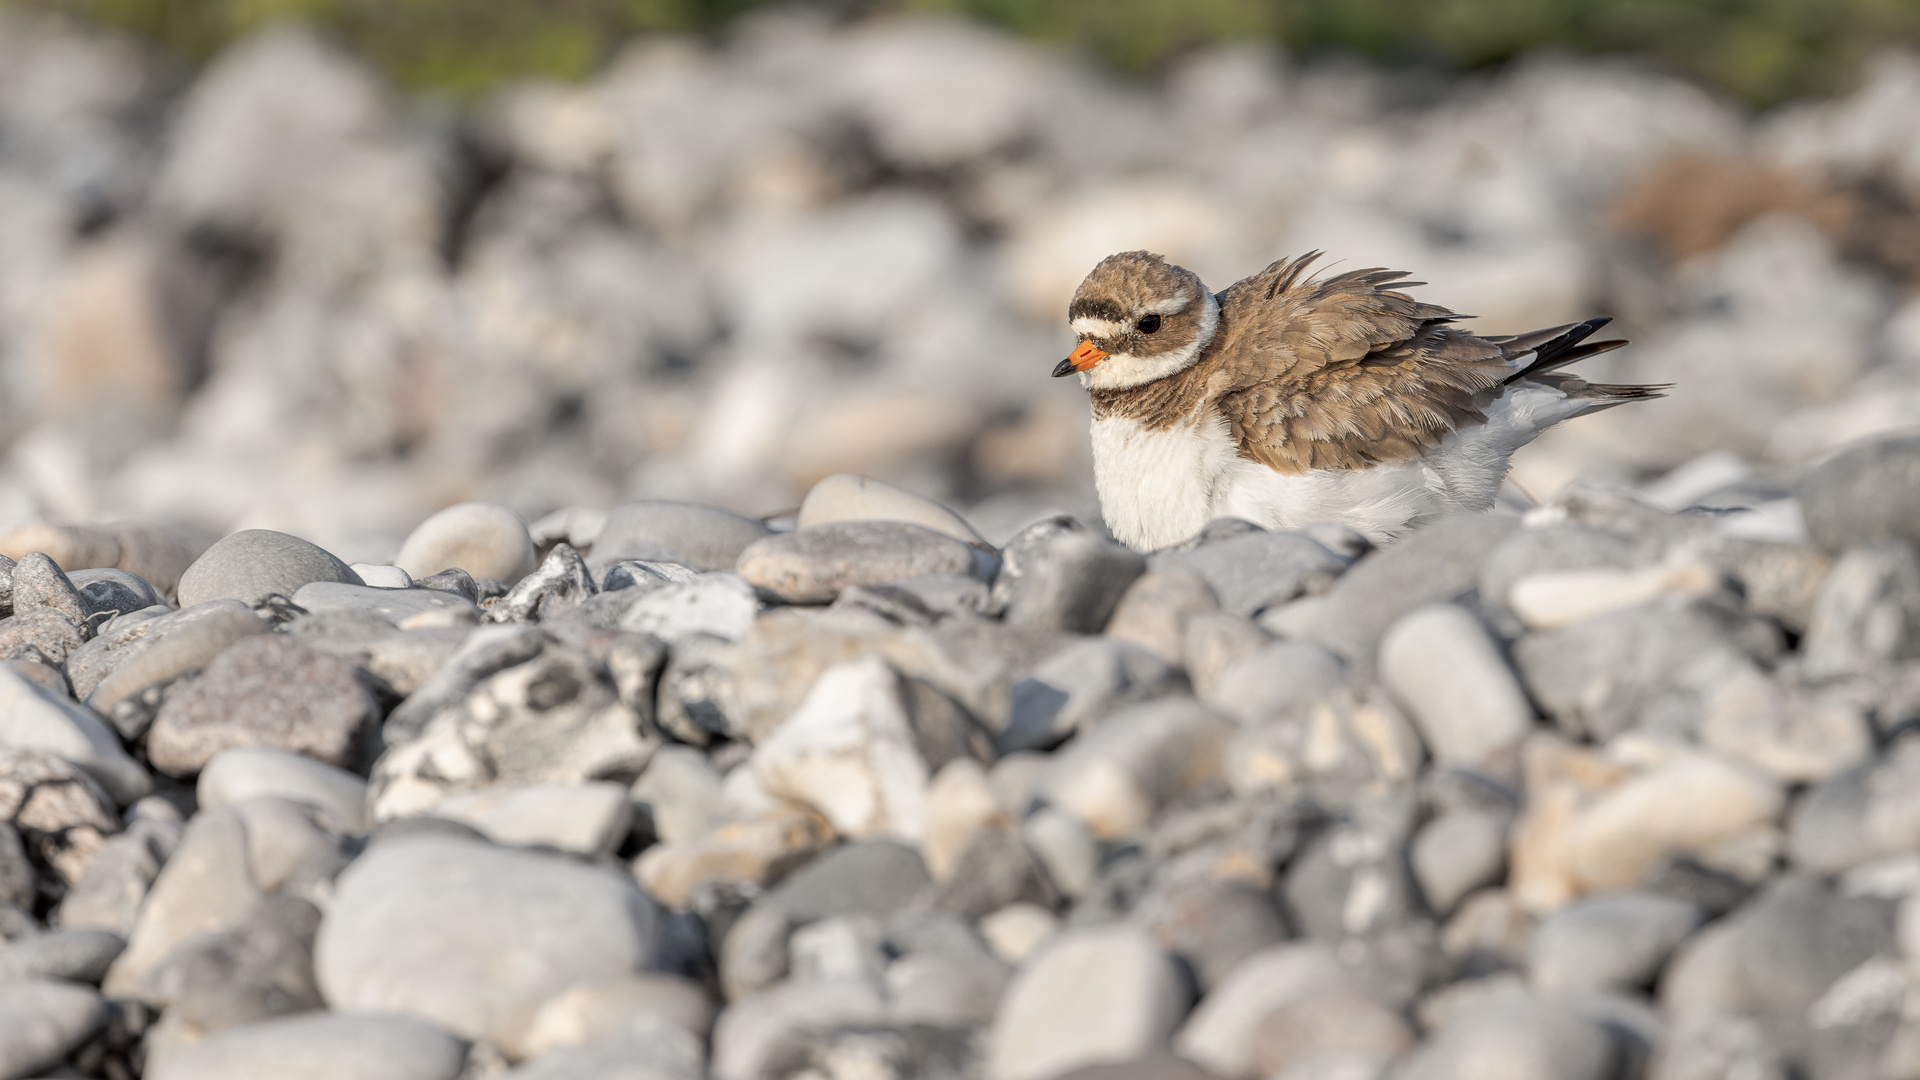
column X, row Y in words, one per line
column 1591, row 793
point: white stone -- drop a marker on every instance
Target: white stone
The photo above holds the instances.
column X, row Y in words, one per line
column 242, row 773
column 1792, row 736
column 1550, row 599
column 1015, row 931
column 382, row 575
column 1114, row 777
column 1692, row 803
column 1065, row 847
column 469, row 936
column 1219, row 1034
column 586, row 819
column 1443, row 665
column 605, row 1007
column 34, row 718
column 485, row 540
column 848, row 751
column 319, row 1046
column 847, row 497
column 1093, row 995
column 206, row 887
column 720, row 604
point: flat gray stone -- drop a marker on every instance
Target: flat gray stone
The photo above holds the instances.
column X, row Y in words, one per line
column 718, row 604
column 405, row 608
column 1864, row 495
column 42, row 1021
column 1439, row 561
column 252, row 564
column 1080, row 685
column 468, row 936
column 1116, row 776
column 1610, row 941
column 80, row 956
column 1444, row 666
column 268, row 691
column 1256, row 570
column 811, row 566
column 320, row 1046
column 703, row 537
column 1515, row 1035
column 1095, row 994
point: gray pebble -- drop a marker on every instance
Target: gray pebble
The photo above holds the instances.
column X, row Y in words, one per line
column 811, row 566
column 270, row 691
column 250, row 565
column 1058, row 576
column 1077, row 686
column 320, row 1044
column 1458, row 852
column 39, row 582
column 560, row 583
column 104, row 590
column 1610, row 941
column 406, row 608
column 1256, row 570
column 71, row 955
column 1865, row 495
column 703, row 537
column 41, row 1021
column 1867, row 612
column 1440, row 561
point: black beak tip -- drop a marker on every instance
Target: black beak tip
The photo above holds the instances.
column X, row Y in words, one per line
column 1064, row 367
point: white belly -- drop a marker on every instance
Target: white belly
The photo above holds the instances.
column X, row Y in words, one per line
column 1159, row 488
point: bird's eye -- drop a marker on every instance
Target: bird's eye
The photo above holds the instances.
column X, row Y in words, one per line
column 1149, row 324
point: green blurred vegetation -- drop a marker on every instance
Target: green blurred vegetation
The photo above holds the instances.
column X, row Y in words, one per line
column 1760, row 50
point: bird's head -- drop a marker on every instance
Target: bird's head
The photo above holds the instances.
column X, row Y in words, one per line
column 1139, row 318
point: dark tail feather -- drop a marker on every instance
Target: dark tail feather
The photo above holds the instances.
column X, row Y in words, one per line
column 1558, row 351
column 1601, row 395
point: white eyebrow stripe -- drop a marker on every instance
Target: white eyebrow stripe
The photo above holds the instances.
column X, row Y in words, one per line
column 1172, row 305
column 1089, row 326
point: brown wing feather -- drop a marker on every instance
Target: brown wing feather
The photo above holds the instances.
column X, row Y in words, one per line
column 1343, row 372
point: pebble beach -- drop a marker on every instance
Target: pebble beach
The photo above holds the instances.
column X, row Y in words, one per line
column 595, row 583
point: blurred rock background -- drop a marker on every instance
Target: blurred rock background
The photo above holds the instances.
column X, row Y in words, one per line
column 327, row 276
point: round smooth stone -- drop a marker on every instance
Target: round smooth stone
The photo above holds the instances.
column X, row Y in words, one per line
column 484, row 539
column 249, row 566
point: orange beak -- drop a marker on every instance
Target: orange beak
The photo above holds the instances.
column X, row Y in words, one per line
column 1083, row 357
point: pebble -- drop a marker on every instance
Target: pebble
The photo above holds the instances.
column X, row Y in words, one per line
column 52, row 634
column 649, row 1048
column 42, row 1021
column 1056, row 577
column 1263, row 684
column 124, row 660
column 849, row 753
column 1211, row 921
column 719, row 604
column 1550, row 599
column 1017, row 930
column 1093, row 995
column 39, row 582
column 750, row 850
column 1623, row 832
column 486, row 540
column 1065, row 847
column 207, row 886
column 1610, row 941
column 812, row 566
column 752, row 1035
column 109, row 894
column 247, row 772
column 59, row 810
column 680, row 790
column 1155, row 610
column 33, row 717
column 1866, row 613
column 1254, row 571
column 265, row 691
column 382, row 575
column 1458, row 852
column 1791, row 735
column 849, row 497
column 960, row 803
column 320, row 1044
column 1514, row 1035
column 1439, row 562
column 113, row 592
column 1779, row 953
column 80, row 956
column 601, row 1008
column 1863, row 813
column 404, row 607
column 1079, row 685
column 1548, row 546
column 467, row 936
column 558, row 585
column 703, row 537
column 253, row 564
column 19, row 885
column 1214, row 642
column 585, row 819
column 1864, row 495
column 1445, row 667
column 1116, row 776
column 1331, row 1033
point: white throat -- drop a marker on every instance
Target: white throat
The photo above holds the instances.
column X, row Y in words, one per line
column 1120, row 371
